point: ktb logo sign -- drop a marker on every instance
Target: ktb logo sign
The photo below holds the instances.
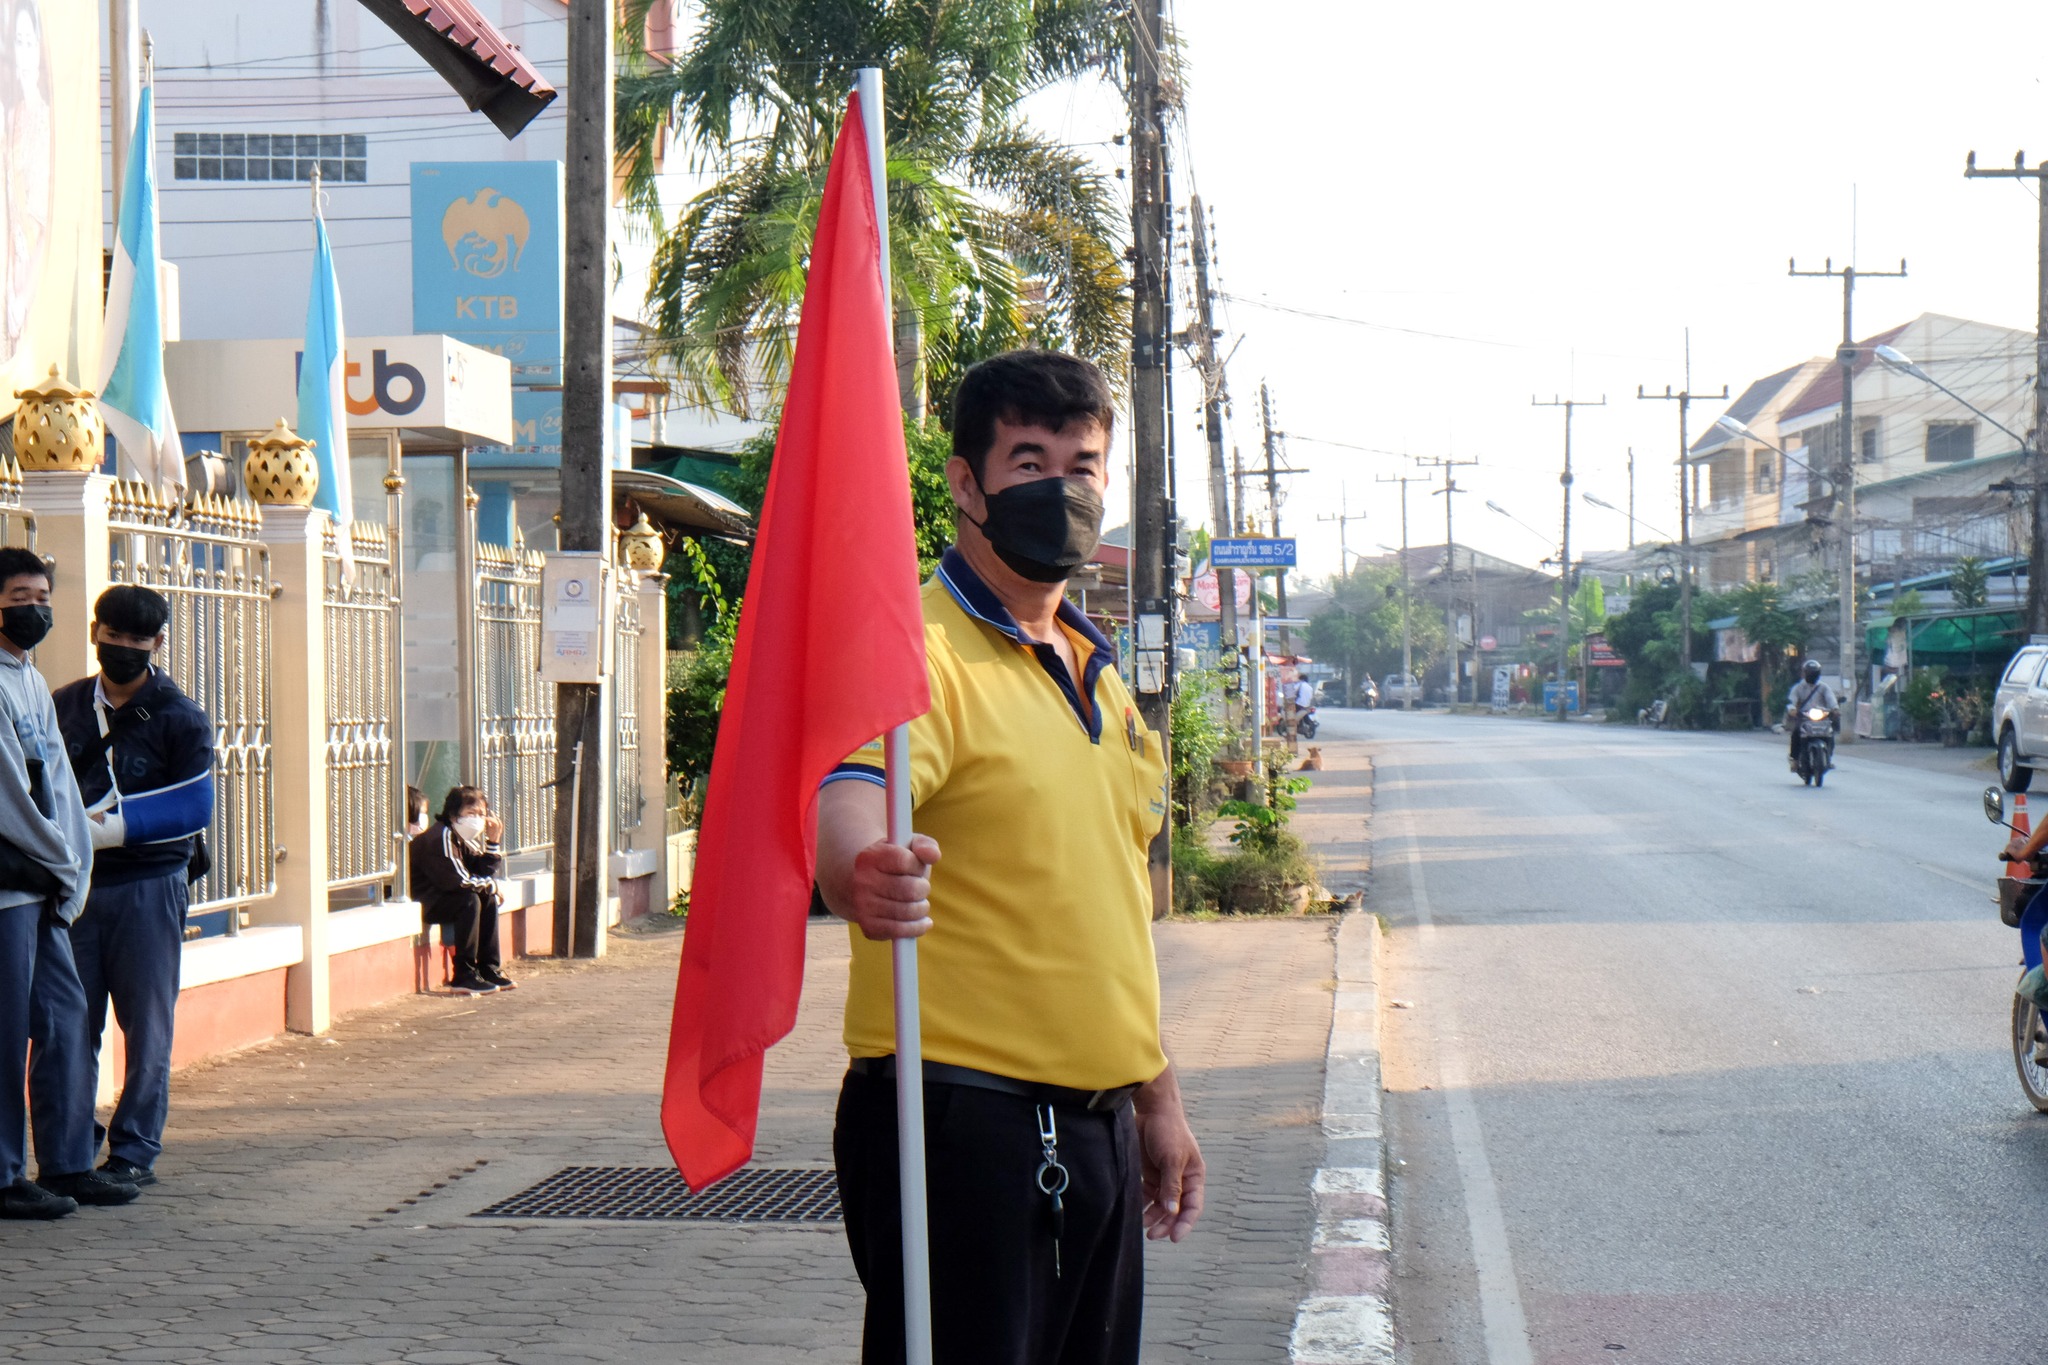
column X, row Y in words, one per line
column 486, row 233
column 387, row 378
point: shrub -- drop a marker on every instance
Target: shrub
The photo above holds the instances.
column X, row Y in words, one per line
column 1925, row 697
column 1198, row 736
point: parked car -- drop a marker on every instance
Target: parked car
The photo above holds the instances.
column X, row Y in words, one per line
column 1330, row 692
column 1399, row 689
column 2019, row 718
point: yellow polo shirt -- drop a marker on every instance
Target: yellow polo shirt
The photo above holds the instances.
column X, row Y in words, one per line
column 1039, row 962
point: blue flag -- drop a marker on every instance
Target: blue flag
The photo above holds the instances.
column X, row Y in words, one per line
column 323, row 396
column 134, row 399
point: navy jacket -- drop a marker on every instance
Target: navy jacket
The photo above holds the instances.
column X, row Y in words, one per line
column 159, row 753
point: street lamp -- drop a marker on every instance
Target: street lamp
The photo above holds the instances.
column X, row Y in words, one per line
column 1605, row 505
column 1893, row 358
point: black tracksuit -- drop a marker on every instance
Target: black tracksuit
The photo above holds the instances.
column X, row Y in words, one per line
column 452, row 882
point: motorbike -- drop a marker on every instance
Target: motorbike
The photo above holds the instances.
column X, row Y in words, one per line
column 1816, row 752
column 1307, row 724
column 2019, row 908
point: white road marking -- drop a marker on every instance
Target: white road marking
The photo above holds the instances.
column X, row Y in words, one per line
column 1984, row 883
column 1505, row 1329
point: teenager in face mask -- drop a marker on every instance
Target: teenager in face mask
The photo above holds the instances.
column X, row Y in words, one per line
column 454, row 863
column 45, row 860
column 143, row 753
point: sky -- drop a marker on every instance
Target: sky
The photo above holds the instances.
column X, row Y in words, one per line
column 1513, row 201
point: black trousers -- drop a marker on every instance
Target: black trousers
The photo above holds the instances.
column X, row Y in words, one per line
column 469, row 924
column 995, row 1297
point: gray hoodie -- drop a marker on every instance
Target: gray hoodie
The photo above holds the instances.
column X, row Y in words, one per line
column 28, row 729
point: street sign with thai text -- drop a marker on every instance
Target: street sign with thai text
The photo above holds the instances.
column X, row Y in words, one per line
column 1274, row 553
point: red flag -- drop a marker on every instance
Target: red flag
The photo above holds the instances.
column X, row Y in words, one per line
column 830, row 654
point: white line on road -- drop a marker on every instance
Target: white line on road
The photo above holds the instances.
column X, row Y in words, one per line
column 1505, row 1329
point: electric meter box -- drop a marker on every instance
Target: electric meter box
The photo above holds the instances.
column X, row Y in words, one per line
column 575, row 617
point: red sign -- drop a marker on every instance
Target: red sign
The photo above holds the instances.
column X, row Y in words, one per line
column 1599, row 654
column 1488, row 642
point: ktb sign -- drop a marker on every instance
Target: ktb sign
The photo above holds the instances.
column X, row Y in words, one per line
column 393, row 387
column 426, row 383
column 487, row 259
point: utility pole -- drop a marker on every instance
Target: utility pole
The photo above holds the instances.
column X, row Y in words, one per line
column 1564, row 554
column 1215, row 397
column 1407, row 649
column 586, row 517
column 1631, row 497
column 1152, row 585
column 1683, row 398
column 2037, row 483
column 1447, row 493
column 1273, row 476
column 1845, row 464
column 1345, row 516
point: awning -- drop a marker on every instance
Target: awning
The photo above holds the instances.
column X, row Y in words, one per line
column 1954, row 640
column 684, row 507
column 479, row 63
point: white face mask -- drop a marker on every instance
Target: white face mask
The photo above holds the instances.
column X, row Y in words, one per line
column 470, row 827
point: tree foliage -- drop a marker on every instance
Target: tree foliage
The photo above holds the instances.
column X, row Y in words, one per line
column 1360, row 628
column 1968, row 583
column 999, row 236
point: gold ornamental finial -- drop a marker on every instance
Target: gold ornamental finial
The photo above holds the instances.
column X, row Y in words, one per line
column 641, row 547
column 58, row 427
column 280, row 470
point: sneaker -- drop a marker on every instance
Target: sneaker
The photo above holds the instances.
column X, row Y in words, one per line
column 469, row 983
column 26, row 1199
column 127, row 1172
column 91, row 1187
column 497, row 978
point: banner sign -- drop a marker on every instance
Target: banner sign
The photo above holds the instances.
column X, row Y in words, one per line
column 1252, row 554
column 487, row 259
column 1600, row 654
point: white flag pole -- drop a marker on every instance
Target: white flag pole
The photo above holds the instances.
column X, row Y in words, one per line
column 917, row 1287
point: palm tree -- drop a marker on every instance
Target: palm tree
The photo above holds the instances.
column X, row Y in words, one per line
column 999, row 236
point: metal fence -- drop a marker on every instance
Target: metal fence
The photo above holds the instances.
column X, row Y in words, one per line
column 17, row 523
column 629, row 802
column 207, row 557
column 365, row 798
column 514, row 709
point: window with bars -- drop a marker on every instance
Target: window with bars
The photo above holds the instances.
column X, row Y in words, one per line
column 1766, row 473
column 248, row 157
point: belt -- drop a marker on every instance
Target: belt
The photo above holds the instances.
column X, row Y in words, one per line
column 1098, row 1101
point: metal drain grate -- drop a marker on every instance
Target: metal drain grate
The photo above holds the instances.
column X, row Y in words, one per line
column 758, row 1194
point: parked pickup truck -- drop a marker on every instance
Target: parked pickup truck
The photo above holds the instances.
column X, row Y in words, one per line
column 2019, row 718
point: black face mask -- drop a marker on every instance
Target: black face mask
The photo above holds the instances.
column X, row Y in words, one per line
column 121, row 664
column 1044, row 529
column 26, row 626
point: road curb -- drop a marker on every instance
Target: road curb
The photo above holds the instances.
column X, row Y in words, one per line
column 1347, row 1318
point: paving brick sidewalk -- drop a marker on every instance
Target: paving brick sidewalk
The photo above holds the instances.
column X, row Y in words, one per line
column 270, row 1242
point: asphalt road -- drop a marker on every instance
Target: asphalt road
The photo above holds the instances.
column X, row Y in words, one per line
column 1697, row 1065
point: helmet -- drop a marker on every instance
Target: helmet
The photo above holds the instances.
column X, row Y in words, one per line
column 1810, row 670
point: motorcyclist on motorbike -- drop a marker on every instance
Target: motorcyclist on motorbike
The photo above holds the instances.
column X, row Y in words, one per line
column 1808, row 692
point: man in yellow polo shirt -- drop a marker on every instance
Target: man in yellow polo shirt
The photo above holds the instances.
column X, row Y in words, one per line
column 1056, row 1140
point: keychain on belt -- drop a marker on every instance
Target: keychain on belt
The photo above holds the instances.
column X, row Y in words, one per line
column 1052, row 1179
